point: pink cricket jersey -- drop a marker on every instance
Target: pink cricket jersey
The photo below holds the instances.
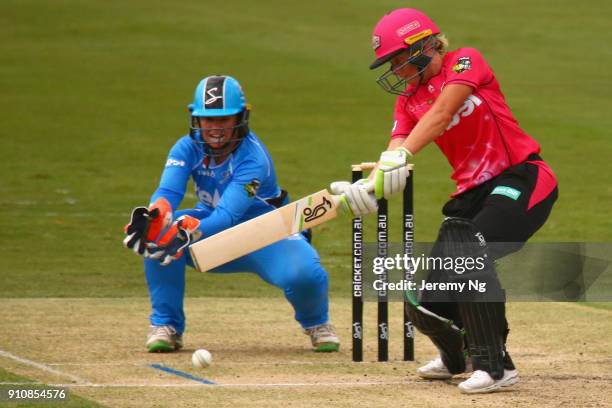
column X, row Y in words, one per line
column 483, row 138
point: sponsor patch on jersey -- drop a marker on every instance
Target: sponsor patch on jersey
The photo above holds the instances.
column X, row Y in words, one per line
column 463, row 64
column 509, row 192
column 175, row 163
column 252, row 188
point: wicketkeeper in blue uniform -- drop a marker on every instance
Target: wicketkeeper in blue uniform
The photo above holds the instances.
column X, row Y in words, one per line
column 235, row 181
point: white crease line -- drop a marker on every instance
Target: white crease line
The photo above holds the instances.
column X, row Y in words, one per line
column 229, row 363
column 85, row 215
column 42, row 367
column 192, row 385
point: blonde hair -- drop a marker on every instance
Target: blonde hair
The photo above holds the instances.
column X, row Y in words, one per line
column 442, row 43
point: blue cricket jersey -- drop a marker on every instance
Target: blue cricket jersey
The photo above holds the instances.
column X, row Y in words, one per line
column 228, row 193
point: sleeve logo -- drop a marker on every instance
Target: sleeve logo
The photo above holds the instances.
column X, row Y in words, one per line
column 463, row 64
column 175, row 163
column 252, row 188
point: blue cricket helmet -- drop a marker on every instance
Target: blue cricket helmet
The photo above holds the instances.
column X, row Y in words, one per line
column 218, row 95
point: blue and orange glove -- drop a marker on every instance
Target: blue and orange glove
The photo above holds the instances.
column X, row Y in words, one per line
column 172, row 244
column 146, row 224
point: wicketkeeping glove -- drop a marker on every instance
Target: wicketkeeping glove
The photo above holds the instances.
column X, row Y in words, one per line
column 146, row 224
column 358, row 196
column 179, row 236
column 390, row 178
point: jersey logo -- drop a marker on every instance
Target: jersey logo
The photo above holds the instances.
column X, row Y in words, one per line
column 468, row 107
column 208, row 199
column 212, row 98
column 252, row 188
column 463, row 64
column 225, row 176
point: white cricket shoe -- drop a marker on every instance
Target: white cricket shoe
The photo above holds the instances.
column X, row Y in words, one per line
column 323, row 338
column 481, row 382
column 436, row 370
column 163, row 339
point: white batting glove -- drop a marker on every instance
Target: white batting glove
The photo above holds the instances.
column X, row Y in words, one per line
column 391, row 175
column 358, row 197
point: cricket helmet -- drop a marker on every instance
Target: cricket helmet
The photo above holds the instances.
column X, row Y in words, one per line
column 399, row 30
column 218, row 95
column 215, row 96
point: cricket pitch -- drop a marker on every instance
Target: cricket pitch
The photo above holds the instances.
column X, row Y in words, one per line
column 261, row 358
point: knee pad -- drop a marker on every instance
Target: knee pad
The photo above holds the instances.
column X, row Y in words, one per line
column 461, row 244
column 482, row 313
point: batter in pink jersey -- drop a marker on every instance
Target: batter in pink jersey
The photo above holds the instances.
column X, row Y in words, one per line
column 505, row 191
column 482, row 139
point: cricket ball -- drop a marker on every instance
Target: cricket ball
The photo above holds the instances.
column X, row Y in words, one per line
column 201, row 358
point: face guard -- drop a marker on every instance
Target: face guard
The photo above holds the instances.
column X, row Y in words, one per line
column 403, row 30
column 219, row 96
column 239, row 132
column 418, row 56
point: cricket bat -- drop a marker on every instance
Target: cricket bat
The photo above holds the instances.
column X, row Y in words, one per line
column 264, row 230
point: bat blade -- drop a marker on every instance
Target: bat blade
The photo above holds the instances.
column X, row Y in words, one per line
column 264, row 230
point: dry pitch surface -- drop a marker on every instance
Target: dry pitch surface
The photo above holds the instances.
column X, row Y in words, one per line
column 96, row 346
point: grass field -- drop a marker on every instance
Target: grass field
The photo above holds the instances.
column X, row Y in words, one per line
column 95, row 93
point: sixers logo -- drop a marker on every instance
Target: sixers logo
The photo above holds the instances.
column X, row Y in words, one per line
column 463, row 64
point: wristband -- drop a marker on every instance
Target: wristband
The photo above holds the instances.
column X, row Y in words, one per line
column 408, row 152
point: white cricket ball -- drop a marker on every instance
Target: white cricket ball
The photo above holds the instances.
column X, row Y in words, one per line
column 201, row 358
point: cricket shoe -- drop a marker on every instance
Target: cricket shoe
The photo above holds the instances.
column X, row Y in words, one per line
column 436, row 370
column 163, row 339
column 323, row 337
column 481, row 382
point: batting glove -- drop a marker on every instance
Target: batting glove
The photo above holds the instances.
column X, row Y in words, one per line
column 146, row 224
column 179, row 236
column 390, row 178
column 358, row 197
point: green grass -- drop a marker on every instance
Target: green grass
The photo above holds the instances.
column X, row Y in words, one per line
column 74, row 401
column 94, row 94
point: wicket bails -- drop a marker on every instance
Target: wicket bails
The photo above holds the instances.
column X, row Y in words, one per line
column 382, row 249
